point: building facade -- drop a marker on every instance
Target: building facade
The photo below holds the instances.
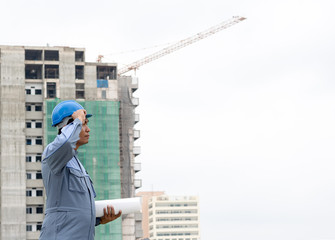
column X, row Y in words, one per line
column 170, row 217
column 32, row 81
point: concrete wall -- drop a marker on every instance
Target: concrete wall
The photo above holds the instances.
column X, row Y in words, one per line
column 12, row 142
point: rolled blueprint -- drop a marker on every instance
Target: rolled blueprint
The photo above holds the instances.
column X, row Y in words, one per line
column 126, row 205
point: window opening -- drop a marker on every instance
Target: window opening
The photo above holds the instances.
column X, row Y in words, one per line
column 33, row 71
column 38, row 108
column 80, row 90
column 38, row 175
column 39, row 226
column 28, row 124
column 106, row 72
column 39, row 193
column 38, row 91
column 29, row 210
column 79, row 56
column 29, row 228
column 51, row 71
column 33, row 55
column 38, row 158
column 28, row 91
column 38, row 125
column 39, row 210
column 51, row 90
column 51, row 55
column 79, row 72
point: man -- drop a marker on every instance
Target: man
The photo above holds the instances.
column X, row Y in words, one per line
column 70, row 206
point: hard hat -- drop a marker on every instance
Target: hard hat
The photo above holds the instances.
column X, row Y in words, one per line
column 65, row 109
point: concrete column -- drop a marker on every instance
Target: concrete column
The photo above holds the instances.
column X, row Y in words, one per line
column 12, row 144
column 67, row 73
column 90, row 82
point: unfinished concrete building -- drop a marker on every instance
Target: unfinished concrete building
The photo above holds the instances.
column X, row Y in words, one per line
column 32, row 81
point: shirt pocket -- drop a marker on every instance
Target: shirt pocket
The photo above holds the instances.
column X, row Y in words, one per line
column 77, row 181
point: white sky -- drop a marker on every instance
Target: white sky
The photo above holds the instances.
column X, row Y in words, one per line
column 244, row 119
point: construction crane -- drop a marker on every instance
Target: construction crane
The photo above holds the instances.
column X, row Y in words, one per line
column 183, row 43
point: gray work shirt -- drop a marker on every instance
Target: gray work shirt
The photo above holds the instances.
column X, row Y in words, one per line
column 70, row 208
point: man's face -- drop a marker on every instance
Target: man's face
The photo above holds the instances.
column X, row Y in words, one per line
column 84, row 134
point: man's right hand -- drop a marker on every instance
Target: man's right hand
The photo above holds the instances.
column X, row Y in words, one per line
column 80, row 114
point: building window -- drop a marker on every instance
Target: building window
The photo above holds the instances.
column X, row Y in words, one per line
column 79, row 72
column 80, row 90
column 28, row 193
column 106, row 72
column 33, row 55
column 38, row 125
column 39, row 226
column 38, row 108
column 39, row 193
column 34, row 158
column 28, row 175
column 39, row 210
column 51, row 55
column 29, row 210
column 38, row 158
column 29, row 228
column 38, row 91
column 28, row 124
column 39, row 175
column 28, row 91
column 51, row 90
column 28, row 141
column 79, row 56
column 33, row 71
column 38, row 142
column 28, row 108
column 51, row 71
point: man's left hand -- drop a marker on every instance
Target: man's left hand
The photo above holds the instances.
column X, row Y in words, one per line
column 109, row 215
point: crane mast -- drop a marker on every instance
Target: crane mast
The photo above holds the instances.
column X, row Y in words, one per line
column 183, row 43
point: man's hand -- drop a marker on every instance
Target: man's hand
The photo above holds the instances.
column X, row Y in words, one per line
column 80, row 114
column 109, row 215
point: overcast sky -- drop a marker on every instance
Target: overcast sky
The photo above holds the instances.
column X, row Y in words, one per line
column 243, row 119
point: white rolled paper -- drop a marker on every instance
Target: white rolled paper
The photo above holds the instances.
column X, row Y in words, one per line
column 126, row 205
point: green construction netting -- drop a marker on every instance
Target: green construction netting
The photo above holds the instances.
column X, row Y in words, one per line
column 100, row 156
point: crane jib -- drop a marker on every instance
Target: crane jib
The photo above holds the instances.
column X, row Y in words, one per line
column 183, row 43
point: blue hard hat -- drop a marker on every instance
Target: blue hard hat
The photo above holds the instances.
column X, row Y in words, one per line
column 65, row 109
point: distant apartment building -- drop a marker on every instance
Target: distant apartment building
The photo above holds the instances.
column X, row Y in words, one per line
column 32, row 81
column 170, row 217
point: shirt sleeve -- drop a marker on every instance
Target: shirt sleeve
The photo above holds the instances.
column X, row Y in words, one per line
column 61, row 150
column 97, row 221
